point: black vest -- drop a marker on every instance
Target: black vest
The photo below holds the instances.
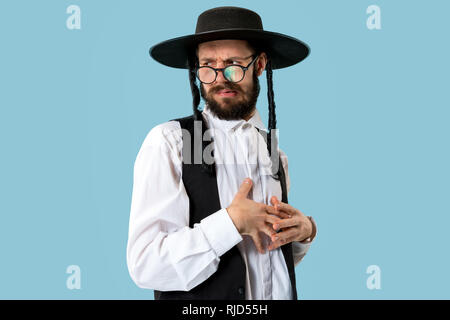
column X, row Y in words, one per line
column 228, row 282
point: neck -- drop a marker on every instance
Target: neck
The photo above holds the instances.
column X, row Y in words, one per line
column 250, row 115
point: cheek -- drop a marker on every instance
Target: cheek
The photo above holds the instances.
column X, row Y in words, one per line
column 250, row 80
column 205, row 88
column 246, row 85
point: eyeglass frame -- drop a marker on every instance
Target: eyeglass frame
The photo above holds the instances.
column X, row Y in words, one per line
column 216, row 70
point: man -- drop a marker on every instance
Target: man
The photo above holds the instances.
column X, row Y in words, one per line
column 220, row 230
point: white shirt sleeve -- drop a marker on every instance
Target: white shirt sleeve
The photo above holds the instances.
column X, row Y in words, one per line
column 299, row 249
column 163, row 252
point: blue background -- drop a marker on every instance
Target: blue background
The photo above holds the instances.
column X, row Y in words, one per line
column 363, row 120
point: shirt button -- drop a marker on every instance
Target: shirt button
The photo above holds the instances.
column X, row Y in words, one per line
column 241, row 290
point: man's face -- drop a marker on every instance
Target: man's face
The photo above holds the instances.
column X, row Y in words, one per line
column 241, row 102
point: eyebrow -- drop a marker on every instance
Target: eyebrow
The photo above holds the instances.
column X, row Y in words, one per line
column 229, row 59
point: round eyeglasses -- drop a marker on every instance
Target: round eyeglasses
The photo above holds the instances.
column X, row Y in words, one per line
column 233, row 73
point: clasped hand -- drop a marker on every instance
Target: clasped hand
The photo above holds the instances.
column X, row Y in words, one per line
column 255, row 219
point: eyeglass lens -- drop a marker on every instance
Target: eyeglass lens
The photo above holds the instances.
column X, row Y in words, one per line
column 231, row 73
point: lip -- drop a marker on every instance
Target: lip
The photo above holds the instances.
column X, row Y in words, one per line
column 227, row 93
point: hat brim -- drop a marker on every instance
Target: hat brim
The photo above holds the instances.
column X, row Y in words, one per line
column 284, row 50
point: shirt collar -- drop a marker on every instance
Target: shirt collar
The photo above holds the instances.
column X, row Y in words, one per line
column 229, row 125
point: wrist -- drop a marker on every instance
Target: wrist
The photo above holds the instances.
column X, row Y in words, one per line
column 313, row 231
column 232, row 212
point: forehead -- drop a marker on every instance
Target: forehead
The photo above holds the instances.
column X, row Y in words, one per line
column 223, row 49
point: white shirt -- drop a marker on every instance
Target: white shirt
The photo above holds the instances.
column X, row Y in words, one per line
column 163, row 252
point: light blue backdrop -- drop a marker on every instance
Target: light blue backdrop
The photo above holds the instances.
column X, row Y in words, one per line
column 363, row 120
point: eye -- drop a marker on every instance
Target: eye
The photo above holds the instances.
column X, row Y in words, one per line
column 209, row 63
column 232, row 62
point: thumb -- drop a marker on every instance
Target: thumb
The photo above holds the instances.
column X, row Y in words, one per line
column 245, row 188
column 274, row 200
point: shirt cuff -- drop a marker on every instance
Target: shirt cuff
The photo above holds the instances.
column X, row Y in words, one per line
column 220, row 231
column 299, row 249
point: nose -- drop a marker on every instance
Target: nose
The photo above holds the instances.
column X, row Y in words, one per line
column 220, row 77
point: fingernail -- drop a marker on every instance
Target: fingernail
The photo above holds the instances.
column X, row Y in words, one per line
column 247, row 180
column 275, row 226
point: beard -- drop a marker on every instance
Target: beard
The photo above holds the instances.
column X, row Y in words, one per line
column 229, row 109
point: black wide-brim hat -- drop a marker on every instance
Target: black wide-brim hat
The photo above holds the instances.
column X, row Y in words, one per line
column 231, row 23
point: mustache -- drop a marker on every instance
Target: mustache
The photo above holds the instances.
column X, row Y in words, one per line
column 228, row 87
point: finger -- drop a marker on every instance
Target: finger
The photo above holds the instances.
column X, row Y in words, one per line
column 283, row 215
column 276, row 243
column 279, row 243
column 245, row 188
column 285, row 235
column 272, row 220
column 272, row 210
column 258, row 243
column 268, row 230
column 285, row 207
column 274, row 200
column 286, row 223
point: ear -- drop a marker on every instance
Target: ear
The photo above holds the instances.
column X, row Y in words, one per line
column 261, row 63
